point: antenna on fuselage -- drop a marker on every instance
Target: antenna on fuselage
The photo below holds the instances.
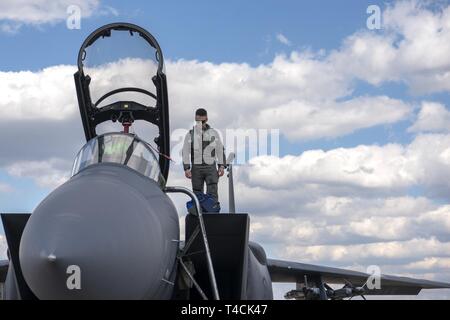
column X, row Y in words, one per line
column 231, row 201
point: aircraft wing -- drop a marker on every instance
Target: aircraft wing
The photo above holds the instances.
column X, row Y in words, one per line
column 3, row 269
column 287, row 271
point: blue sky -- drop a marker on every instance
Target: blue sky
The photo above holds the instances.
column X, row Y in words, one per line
column 217, row 32
column 382, row 111
column 235, row 31
column 232, row 31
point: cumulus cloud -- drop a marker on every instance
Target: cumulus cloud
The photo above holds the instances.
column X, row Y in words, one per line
column 392, row 167
column 250, row 90
column 321, row 213
column 352, row 226
column 429, row 160
column 367, row 56
column 283, row 39
column 371, row 253
column 305, row 120
column 430, row 263
column 16, row 14
column 41, row 121
column 45, row 103
column 47, row 174
column 48, row 94
column 404, row 50
column 124, row 72
column 432, row 117
column 43, row 11
column 362, row 166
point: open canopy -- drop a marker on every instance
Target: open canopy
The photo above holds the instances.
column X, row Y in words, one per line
column 121, row 78
column 121, row 64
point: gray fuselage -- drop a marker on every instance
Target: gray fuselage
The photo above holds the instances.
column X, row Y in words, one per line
column 107, row 233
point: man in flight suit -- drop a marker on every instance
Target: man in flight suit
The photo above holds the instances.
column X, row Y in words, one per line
column 203, row 155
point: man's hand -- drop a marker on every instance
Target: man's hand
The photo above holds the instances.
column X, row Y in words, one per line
column 221, row 171
column 188, row 173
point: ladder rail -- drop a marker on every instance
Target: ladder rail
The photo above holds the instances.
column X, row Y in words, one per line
column 210, row 266
column 231, row 201
column 196, row 285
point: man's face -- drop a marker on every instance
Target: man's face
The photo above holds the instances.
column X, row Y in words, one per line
column 203, row 119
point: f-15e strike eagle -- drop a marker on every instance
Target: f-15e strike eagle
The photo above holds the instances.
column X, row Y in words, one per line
column 112, row 232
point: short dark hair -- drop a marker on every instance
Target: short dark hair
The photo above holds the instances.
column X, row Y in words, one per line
column 201, row 112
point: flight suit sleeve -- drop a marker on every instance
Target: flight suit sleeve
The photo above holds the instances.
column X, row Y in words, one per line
column 186, row 152
column 220, row 151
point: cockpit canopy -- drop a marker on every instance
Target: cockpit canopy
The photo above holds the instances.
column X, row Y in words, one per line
column 121, row 59
column 120, row 148
column 121, row 78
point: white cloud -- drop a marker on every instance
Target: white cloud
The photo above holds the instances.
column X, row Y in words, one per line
column 388, row 168
column 289, row 85
column 43, row 11
column 392, row 232
column 46, row 94
column 366, row 56
column 430, row 263
column 354, row 225
column 381, row 227
column 357, row 207
column 363, row 166
column 429, row 161
column 372, row 252
column 283, row 39
column 404, row 50
column 306, row 120
column 125, row 72
column 251, row 90
column 286, row 94
column 439, row 217
column 18, row 13
column 5, row 187
column 433, row 117
column 47, row 174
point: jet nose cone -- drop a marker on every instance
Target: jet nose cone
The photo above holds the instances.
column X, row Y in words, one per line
column 82, row 243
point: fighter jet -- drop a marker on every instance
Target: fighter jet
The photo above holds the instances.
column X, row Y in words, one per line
column 112, row 232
